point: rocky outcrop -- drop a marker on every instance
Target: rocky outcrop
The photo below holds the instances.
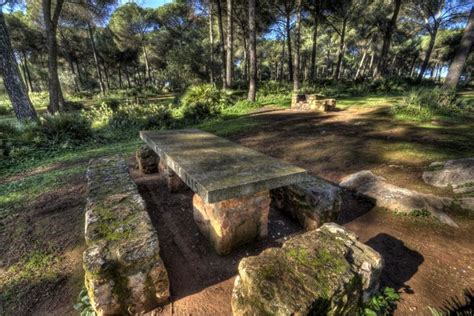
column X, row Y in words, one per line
column 312, row 202
column 147, row 160
column 459, row 174
column 123, row 269
column 321, row 272
column 395, row 198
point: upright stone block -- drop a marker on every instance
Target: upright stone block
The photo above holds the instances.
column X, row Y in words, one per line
column 175, row 184
column 231, row 223
column 312, row 202
column 147, row 160
column 123, row 269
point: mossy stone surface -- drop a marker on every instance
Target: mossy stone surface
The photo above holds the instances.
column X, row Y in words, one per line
column 312, row 274
column 123, row 269
column 218, row 169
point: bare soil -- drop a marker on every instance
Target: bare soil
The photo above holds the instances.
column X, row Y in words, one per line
column 430, row 263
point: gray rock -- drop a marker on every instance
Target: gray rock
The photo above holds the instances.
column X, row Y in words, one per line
column 395, row 198
column 312, row 202
column 321, row 272
column 456, row 173
column 467, row 203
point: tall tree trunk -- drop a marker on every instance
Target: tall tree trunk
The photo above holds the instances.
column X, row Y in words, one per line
column 106, row 73
column 96, row 58
column 222, row 42
column 459, row 60
column 381, row 68
column 296, row 71
column 314, row 49
column 127, row 76
column 147, row 65
column 11, row 77
column 252, row 52
column 29, row 82
column 282, row 62
column 362, row 61
column 230, row 46
column 426, row 61
column 288, row 43
column 341, row 49
column 120, row 76
column 211, row 44
column 56, row 100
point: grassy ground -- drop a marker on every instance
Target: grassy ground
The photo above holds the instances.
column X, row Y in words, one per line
column 22, row 185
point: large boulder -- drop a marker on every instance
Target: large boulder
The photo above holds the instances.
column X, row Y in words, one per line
column 395, row 198
column 321, row 272
column 123, row 269
column 459, row 174
column 312, row 202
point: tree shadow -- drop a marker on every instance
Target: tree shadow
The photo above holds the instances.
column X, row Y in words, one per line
column 458, row 306
column 401, row 262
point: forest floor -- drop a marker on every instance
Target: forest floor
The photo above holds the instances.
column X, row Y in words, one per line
column 41, row 240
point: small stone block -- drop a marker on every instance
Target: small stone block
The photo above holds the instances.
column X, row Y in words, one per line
column 231, row 223
column 174, row 183
column 312, row 202
column 147, row 160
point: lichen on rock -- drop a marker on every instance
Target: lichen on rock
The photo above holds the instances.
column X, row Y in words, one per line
column 123, row 269
column 322, row 272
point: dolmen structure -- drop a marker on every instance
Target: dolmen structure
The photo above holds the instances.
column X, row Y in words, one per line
column 232, row 183
column 323, row 271
column 312, row 102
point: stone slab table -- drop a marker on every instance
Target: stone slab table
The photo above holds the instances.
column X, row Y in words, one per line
column 231, row 182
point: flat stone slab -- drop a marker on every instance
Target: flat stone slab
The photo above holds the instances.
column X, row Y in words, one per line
column 397, row 199
column 218, row 169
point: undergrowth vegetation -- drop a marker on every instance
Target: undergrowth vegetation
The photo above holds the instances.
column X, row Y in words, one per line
column 423, row 104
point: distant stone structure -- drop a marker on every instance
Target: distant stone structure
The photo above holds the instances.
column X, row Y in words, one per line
column 124, row 273
column 312, row 102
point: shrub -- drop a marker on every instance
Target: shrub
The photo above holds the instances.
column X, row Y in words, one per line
column 66, row 129
column 203, row 101
column 423, row 104
column 5, row 109
column 153, row 116
column 382, row 303
column 98, row 115
column 274, row 87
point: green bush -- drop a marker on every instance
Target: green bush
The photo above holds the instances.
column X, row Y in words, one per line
column 5, row 109
column 67, row 129
column 153, row 116
column 382, row 303
column 274, row 88
column 423, row 104
column 203, row 101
